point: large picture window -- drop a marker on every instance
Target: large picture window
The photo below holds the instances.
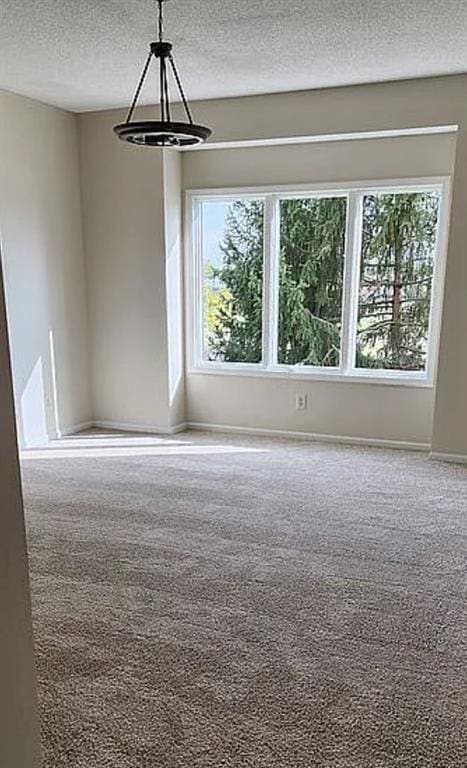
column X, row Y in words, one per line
column 340, row 282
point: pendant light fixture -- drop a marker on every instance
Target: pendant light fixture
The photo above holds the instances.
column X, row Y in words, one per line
column 163, row 132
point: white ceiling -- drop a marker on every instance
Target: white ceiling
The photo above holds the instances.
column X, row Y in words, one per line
column 87, row 54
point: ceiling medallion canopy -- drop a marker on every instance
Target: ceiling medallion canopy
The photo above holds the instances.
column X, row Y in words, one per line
column 163, row 132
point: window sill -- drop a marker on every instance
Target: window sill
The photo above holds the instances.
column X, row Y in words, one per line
column 297, row 374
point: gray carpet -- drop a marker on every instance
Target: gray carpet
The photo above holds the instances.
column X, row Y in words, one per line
column 211, row 601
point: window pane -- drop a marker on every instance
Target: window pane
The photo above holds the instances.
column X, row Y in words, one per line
column 399, row 238
column 312, row 243
column 232, row 253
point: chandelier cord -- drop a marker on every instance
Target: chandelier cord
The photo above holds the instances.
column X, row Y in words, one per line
column 160, row 21
column 163, row 94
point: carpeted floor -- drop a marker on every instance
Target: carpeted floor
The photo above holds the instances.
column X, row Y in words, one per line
column 208, row 602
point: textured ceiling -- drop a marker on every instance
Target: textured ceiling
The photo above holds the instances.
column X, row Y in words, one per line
column 87, row 54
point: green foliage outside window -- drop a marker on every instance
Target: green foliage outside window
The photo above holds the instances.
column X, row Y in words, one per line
column 312, row 242
column 398, row 243
column 399, row 235
column 234, row 332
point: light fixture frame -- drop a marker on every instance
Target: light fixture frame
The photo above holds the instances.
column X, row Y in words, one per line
column 164, row 132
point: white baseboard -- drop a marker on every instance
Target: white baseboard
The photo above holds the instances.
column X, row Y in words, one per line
column 451, row 458
column 155, row 429
column 313, row 437
column 122, row 426
column 73, row 430
column 182, row 427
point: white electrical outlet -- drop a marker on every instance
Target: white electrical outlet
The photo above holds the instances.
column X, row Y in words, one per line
column 301, row 402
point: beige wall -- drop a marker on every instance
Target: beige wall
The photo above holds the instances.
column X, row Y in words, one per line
column 393, row 106
column 408, row 104
column 123, row 215
column 393, row 413
column 19, row 741
column 40, row 228
column 173, row 250
column 125, row 206
column 378, row 106
column 450, row 427
column 375, row 412
column 334, row 161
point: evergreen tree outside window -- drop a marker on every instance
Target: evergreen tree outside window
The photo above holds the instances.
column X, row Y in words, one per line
column 233, row 248
column 311, row 271
column 398, row 251
column 343, row 282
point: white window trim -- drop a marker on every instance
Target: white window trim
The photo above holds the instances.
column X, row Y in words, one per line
column 347, row 372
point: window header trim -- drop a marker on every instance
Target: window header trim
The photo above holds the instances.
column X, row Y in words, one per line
column 324, row 189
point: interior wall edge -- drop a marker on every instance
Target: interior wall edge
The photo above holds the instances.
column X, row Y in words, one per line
column 20, row 738
column 86, row 278
column 75, row 428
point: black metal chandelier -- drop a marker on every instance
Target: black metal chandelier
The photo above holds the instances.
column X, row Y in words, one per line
column 163, row 132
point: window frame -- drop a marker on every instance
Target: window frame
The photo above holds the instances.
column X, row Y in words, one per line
column 272, row 194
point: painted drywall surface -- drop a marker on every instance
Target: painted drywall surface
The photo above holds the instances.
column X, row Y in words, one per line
column 379, row 106
column 337, row 409
column 394, row 106
column 40, row 227
column 19, row 742
column 450, row 425
column 173, row 247
column 123, row 224
column 340, row 161
column 334, row 408
column 397, row 105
